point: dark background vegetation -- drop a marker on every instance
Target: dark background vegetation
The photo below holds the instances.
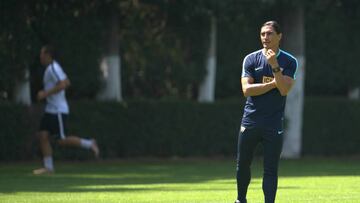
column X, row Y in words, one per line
column 163, row 46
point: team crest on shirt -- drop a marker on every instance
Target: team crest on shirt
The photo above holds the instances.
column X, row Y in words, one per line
column 267, row 79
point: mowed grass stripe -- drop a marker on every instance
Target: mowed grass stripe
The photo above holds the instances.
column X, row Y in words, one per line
column 179, row 181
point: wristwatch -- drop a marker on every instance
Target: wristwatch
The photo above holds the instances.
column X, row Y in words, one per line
column 276, row 69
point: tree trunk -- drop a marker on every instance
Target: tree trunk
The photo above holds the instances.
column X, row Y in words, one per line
column 111, row 66
column 207, row 87
column 354, row 93
column 22, row 90
column 294, row 43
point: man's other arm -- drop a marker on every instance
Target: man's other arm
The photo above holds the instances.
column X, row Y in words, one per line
column 61, row 85
column 250, row 88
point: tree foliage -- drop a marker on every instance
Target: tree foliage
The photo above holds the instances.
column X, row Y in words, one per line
column 163, row 43
column 163, row 46
column 71, row 26
column 332, row 46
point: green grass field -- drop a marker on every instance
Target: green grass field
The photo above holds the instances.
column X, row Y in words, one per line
column 313, row 180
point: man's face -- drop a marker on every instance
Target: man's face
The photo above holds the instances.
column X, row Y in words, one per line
column 44, row 57
column 269, row 38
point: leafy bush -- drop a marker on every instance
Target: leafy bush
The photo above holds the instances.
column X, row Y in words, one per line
column 173, row 128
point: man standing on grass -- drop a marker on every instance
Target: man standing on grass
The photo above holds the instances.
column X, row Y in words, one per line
column 56, row 111
column 267, row 77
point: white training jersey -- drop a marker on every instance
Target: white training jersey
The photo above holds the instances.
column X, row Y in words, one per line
column 55, row 103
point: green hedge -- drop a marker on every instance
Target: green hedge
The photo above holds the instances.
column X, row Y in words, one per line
column 166, row 129
column 15, row 138
column 131, row 129
column 331, row 126
column 159, row 128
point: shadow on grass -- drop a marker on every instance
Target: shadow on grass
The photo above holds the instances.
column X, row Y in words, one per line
column 180, row 175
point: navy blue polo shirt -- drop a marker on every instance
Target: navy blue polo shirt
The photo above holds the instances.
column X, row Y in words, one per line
column 266, row 110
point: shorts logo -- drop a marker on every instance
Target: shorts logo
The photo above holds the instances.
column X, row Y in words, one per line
column 267, row 79
column 258, row 68
column 242, row 129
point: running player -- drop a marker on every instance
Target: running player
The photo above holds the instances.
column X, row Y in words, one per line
column 56, row 111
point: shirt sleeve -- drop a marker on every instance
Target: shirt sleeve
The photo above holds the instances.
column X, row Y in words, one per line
column 247, row 67
column 58, row 73
column 290, row 70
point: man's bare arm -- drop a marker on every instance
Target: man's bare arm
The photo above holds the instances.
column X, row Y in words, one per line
column 61, row 85
column 251, row 89
column 284, row 83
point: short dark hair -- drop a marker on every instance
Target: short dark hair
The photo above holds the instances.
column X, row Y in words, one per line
column 49, row 49
column 273, row 24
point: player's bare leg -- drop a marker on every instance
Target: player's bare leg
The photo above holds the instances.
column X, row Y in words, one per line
column 81, row 142
column 46, row 151
column 70, row 141
column 95, row 148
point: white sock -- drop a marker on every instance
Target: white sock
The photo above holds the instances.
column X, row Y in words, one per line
column 86, row 143
column 48, row 163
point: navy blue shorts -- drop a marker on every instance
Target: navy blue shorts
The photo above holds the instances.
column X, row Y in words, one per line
column 55, row 124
